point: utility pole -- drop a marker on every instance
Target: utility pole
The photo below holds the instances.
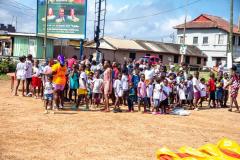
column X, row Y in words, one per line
column 45, row 36
column 184, row 32
column 239, row 23
column 231, row 29
column 16, row 23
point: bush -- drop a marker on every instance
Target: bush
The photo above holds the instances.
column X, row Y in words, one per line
column 6, row 66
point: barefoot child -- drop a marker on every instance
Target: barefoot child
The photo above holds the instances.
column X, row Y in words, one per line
column 212, row 89
column 190, row 93
column 20, row 75
column 225, row 89
column 131, row 97
column 156, row 96
column 36, row 80
column 97, row 89
column 74, row 82
column 234, row 84
column 181, row 92
column 125, row 87
column 164, row 94
column 203, row 91
column 142, row 93
column 219, row 92
column 149, row 94
column 82, row 91
column 118, row 89
column 48, row 94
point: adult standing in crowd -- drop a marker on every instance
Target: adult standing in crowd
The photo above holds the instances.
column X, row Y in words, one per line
column 29, row 69
column 59, row 72
column 234, row 84
column 149, row 73
column 107, row 78
column 20, row 74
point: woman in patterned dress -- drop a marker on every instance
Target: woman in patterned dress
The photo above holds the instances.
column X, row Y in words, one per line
column 107, row 78
column 234, row 84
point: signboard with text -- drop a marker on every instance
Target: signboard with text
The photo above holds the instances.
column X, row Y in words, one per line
column 65, row 18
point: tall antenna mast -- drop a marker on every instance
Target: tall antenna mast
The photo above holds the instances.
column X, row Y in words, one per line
column 99, row 23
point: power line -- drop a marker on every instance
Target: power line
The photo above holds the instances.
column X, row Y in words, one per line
column 24, row 13
column 25, row 6
column 155, row 14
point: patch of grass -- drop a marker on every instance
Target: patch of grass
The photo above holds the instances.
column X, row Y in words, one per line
column 205, row 75
column 4, row 77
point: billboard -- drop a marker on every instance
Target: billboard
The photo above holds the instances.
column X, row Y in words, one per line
column 65, row 18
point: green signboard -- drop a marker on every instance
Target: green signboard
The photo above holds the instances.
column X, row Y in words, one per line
column 65, row 18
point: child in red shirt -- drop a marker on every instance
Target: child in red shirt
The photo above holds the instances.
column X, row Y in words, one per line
column 211, row 89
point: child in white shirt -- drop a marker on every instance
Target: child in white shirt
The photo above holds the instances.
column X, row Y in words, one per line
column 97, row 89
column 118, row 89
column 181, row 91
column 48, row 94
column 149, row 94
column 156, row 96
column 164, row 94
column 203, row 91
column 20, row 75
column 124, row 80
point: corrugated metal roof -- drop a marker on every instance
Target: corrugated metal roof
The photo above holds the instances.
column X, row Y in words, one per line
column 146, row 46
column 123, row 43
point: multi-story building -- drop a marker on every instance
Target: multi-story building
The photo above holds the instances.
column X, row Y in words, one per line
column 210, row 34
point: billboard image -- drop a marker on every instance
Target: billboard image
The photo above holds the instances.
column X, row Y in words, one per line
column 65, row 18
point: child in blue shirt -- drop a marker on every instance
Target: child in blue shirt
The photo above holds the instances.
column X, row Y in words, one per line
column 131, row 97
column 135, row 81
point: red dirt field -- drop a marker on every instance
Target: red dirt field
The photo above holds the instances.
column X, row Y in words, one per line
column 27, row 133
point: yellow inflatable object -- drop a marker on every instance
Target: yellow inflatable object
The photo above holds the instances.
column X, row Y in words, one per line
column 224, row 150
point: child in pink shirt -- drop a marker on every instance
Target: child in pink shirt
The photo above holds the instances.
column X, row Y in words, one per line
column 142, row 93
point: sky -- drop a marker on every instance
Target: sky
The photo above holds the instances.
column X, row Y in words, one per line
column 158, row 28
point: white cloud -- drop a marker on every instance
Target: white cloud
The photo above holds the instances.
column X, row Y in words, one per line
column 122, row 9
column 169, row 23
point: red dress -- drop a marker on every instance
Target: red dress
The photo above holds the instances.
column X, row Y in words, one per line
column 107, row 81
column 36, row 82
column 235, row 86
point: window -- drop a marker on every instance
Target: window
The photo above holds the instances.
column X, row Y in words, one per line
column 220, row 38
column 187, row 59
column 205, row 40
column 195, row 40
column 199, row 60
column 233, row 40
column 181, row 39
column 205, row 59
column 176, row 59
column 132, row 56
column 239, row 41
column 148, row 55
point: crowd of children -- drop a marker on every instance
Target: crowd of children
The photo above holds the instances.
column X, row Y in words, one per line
column 155, row 88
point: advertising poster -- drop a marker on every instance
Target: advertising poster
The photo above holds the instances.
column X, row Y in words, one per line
column 66, row 18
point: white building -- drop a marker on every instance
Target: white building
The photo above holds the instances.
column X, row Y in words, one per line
column 210, row 35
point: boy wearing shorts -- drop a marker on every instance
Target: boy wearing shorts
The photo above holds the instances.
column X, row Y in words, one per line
column 48, row 94
column 82, row 91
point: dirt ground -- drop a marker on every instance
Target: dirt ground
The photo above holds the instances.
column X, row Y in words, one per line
column 26, row 133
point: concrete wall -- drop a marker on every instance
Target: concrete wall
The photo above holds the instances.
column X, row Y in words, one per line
column 119, row 55
column 212, row 49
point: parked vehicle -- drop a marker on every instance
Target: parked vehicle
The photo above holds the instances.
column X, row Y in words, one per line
column 152, row 59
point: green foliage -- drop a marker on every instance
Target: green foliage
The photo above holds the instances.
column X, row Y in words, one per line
column 6, row 66
column 4, row 77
